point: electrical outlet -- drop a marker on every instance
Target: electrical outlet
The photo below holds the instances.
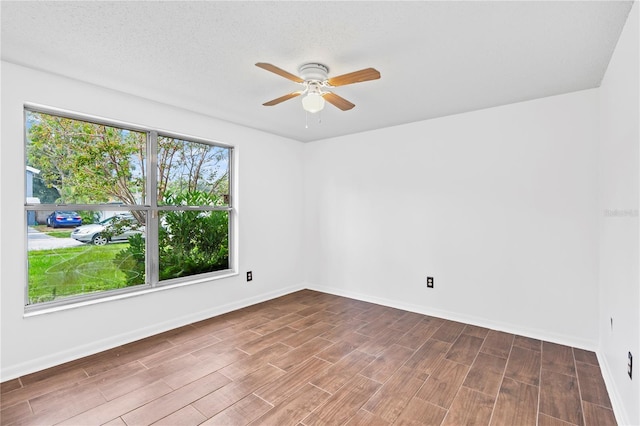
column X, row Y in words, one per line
column 630, row 366
column 249, row 275
column 430, row 282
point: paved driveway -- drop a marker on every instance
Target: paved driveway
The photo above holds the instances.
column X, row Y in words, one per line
column 37, row 240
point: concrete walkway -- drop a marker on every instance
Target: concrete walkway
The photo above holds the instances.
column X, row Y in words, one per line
column 37, row 240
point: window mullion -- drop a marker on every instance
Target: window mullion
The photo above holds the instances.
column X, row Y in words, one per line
column 153, row 219
column 232, row 212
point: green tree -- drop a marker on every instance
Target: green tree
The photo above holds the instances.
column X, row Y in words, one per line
column 46, row 194
column 87, row 162
column 185, row 166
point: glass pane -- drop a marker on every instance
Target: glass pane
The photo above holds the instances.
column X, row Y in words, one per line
column 193, row 242
column 75, row 162
column 192, row 173
column 106, row 252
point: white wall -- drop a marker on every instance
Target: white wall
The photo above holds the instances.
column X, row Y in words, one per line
column 498, row 205
column 619, row 231
column 269, row 172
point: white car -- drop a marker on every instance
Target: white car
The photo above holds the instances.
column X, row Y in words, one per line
column 95, row 232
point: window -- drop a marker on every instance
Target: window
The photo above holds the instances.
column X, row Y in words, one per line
column 113, row 209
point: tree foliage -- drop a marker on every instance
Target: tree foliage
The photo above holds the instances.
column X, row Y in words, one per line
column 89, row 163
column 185, row 166
column 46, row 194
column 86, row 162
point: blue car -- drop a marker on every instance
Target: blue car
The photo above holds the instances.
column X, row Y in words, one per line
column 64, row 218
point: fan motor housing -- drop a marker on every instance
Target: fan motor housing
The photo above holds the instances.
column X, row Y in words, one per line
column 314, row 72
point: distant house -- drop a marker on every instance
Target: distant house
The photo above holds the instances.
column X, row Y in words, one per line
column 30, row 172
column 30, row 199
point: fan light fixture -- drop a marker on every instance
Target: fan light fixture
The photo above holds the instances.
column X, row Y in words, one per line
column 313, row 102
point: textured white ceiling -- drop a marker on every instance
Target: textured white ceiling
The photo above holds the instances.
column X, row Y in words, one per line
column 436, row 58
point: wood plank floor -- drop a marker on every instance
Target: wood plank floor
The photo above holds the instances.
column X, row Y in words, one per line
column 310, row 358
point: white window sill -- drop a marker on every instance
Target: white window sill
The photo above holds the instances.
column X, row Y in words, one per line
column 34, row 310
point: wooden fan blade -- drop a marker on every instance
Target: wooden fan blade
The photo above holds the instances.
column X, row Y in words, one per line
column 282, row 99
column 338, row 101
column 279, row 71
column 355, row 77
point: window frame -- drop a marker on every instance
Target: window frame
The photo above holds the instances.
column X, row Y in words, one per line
column 150, row 206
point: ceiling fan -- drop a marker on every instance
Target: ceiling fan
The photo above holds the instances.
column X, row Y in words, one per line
column 316, row 85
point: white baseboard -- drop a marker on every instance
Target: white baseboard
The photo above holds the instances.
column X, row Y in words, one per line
column 622, row 418
column 460, row 317
column 51, row 360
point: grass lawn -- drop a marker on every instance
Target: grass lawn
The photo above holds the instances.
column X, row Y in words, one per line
column 59, row 234
column 74, row 271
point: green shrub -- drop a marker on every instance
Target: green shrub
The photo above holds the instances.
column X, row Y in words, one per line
column 190, row 242
column 131, row 260
column 89, row 216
